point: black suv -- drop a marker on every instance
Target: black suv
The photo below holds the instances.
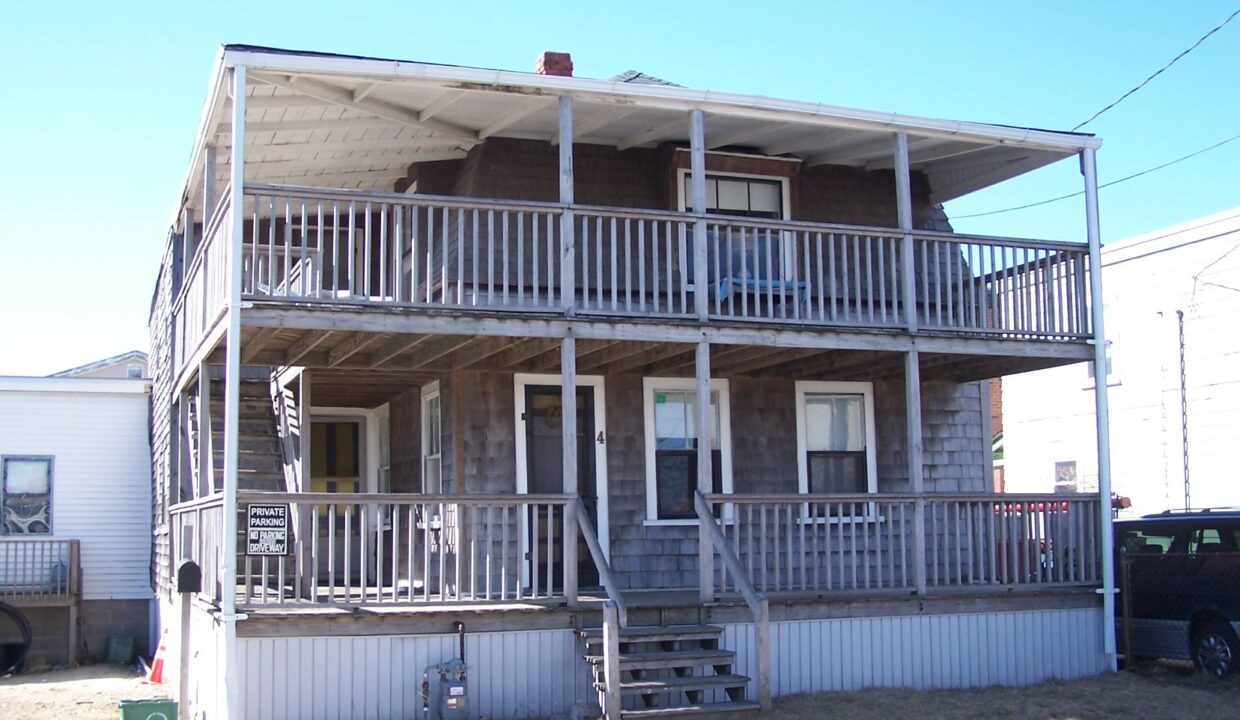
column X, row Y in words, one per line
column 1183, row 586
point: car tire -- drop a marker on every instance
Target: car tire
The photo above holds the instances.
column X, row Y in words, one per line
column 1216, row 650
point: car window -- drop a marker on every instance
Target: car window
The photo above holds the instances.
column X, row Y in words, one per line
column 1212, row 539
column 1146, row 540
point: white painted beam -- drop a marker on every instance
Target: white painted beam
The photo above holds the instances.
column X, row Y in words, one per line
column 512, row 118
column 343, row 97
column 747, row 134
column 1016, row 166
column 852, row 152
column 440, row 103
column 671, row 128
column 349, row 123
column 598, row 122
column 361, row 91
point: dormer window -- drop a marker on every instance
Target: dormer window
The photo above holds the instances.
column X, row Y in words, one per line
column 738, row 195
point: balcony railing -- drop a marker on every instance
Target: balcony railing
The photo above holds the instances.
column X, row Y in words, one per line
column 330, row 246
column 39, row 571
column 831, row 543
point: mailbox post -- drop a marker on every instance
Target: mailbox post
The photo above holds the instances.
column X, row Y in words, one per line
column 189, row 581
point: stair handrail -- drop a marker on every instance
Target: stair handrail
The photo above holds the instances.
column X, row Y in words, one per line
column 757, row 602
column 600, row 562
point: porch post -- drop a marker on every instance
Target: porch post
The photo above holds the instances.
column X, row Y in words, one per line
column 232, row 396
column 1090, row 170
column 209, row 196
column 697, row 165
column 904, row 214
column 187, row 248
column 912, row 399
column 206, row 443
column 568, row 401
column 568, row 244
column 705, row 428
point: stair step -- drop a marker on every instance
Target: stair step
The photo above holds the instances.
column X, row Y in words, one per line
column 656, row 633
column 705, row 709
column 669, row 659
column 682, row 684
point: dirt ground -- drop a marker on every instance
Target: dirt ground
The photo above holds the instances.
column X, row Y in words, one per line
column 1163, row 693
column 85, row 693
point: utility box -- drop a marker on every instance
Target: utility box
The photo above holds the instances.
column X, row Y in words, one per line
column 449, row 693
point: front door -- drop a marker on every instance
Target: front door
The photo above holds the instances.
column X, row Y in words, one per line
column 540, row 437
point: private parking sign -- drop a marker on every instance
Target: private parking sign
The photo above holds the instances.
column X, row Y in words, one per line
column 266, row 530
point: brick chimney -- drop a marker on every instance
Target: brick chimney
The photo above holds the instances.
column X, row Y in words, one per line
column 554, row 63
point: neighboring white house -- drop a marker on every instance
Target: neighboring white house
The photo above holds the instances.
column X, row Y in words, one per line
column 75, row 465
column 1173, row 318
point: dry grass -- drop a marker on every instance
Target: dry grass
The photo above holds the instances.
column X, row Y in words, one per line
column 1163, row 693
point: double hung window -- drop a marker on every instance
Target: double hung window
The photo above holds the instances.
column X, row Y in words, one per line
column 835, row 438
column 672, row 441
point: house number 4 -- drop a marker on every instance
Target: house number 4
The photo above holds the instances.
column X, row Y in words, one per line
column 600, row 439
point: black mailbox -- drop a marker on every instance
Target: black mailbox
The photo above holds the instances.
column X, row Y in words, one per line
column 189, row 577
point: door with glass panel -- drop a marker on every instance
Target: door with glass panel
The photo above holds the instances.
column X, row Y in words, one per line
column 544, row 472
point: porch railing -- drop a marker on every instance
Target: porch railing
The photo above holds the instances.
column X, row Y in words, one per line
column 349, row 548
column 830, row 543
column 317, row 245
column 204, row 287
column 39, row 570
column 197, row 532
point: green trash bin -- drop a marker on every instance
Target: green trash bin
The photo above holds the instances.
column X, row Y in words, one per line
column 148, row 709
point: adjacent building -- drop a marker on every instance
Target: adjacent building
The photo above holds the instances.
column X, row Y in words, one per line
column 1172, row 317
column 75, row 498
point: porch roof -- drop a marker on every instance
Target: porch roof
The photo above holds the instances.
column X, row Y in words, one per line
column 326, row 120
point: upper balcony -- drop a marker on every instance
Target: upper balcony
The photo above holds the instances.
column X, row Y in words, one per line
column 373, row 184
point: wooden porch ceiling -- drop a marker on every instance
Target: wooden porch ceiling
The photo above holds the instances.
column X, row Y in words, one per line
column 365, row 369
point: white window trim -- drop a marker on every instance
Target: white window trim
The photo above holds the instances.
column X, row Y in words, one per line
column 430, row 391
column 649, row 386
column 597, row 382
column 785, row 201
column 813, row 387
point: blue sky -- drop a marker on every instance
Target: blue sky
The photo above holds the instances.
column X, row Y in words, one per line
column 101, row 101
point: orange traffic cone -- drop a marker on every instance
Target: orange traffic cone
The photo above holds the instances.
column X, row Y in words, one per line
column 156, row 674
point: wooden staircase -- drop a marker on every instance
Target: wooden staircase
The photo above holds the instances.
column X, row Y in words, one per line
column 260, row 463
column 670, row 671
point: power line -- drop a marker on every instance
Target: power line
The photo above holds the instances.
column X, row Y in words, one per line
column 1126, row 178
column 1159, row 71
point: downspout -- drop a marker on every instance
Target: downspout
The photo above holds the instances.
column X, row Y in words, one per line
column 1090, row 171
column 232, row 397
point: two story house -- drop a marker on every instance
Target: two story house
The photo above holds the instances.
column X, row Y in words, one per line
column 659, row 400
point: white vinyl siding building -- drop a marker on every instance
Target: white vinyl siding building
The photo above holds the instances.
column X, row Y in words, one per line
column 1180, row 278
column 95, row 430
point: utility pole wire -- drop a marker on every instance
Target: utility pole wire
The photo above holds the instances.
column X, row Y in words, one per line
column 1159, row 71
column 1147, row 171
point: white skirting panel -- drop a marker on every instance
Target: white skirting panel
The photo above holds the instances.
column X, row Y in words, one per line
column 512, row 675
column 205, row 690
column 927, row 651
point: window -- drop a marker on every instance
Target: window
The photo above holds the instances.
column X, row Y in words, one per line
column 133, row 371
column 1212, row 539
column 26, row 495
column 1065, row 477
column 432, row 441
column 672, row 437
column 753, row 256
column 738, row 195
column 835, row 438
column 1146, row 541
